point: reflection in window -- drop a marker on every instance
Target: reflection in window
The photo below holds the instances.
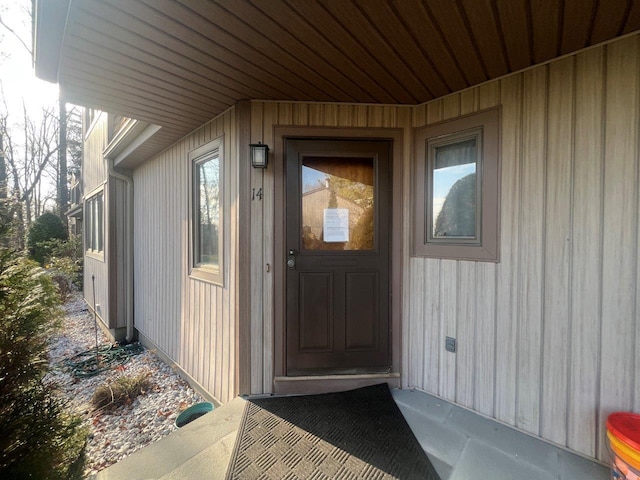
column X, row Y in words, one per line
column 454, row 200
column 337, row 203
column 206, row 222
column 207, row 211
column 94, row 224
column 457, row 188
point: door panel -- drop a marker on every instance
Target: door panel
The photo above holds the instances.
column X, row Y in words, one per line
column 361, row 332
column 338, row 219
column 316, row 316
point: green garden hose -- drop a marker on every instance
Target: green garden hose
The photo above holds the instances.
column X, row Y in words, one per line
column 89, row 363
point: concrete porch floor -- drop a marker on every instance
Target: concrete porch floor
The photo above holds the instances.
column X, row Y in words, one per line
column 461, row 445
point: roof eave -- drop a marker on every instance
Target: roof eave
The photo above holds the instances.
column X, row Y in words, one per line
column 49, row 24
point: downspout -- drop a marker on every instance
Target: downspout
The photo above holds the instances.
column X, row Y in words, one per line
column 129, row 251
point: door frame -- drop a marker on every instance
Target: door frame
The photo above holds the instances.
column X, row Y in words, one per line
column 319, row 384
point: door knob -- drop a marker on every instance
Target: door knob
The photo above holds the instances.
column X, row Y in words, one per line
column 291, row 262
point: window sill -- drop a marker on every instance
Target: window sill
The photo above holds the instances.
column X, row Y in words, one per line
column 94, row 254
column 213, row 277
column 473, row 253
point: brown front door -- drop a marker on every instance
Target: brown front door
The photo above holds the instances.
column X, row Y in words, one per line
column 338, row 221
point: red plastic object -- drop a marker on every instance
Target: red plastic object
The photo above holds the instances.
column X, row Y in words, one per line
column 625, row 427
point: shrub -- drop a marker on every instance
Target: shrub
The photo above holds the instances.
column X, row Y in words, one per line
column 6, row 217
column 57, row 247
column 47, row 226
column 64, row 261
column 9, row 223
column 121, row 391
column 64, row 273
column 37, row 438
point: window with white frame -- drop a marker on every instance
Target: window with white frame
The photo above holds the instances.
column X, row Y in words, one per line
column 94, row 223
column 206, row 217
column 456, row 206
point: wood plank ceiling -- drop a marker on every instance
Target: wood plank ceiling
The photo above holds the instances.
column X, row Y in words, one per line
column 178, row 63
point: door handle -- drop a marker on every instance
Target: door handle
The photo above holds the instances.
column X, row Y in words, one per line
column 291, row 261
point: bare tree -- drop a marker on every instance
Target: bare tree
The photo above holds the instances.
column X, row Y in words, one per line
column 62, row 180
column 36, row 150
column 74, row 138
column 27, row 162
column 9, row 29
column 3, row 169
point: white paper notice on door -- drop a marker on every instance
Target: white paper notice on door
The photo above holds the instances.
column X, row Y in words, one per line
column 336, row 225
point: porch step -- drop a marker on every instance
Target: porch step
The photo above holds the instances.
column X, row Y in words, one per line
column 463, row 445
column 201, row 449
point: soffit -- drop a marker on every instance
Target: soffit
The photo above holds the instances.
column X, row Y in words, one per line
column 178, row 63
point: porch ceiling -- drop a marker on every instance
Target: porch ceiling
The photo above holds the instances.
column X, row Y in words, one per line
column 178, row 63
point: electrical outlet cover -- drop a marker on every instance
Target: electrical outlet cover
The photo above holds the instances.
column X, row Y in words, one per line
column 450, row 344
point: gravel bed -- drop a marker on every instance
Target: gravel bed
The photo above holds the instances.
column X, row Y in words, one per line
column 120, row 432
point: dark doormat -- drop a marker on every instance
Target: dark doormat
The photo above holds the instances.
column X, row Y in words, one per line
column 356, row 434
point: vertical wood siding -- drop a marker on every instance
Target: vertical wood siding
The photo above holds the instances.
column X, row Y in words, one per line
column 116, row 231
column 94, row 171
column 547, row 337
column 191, row 321
column 94, row 174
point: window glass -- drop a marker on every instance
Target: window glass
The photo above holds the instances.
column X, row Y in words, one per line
column 454, row 201
column 208, row 211
column 88, row 225
column 456, row 211
column 99, row 222
column 94, row 223
column 338, row 203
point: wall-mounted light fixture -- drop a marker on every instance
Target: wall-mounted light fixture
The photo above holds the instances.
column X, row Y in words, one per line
column 259, row 155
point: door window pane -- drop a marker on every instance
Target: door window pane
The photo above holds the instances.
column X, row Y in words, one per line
column 338, row 203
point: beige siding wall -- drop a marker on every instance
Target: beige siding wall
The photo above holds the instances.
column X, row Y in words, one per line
column 191, row 321
column 106, row 272
column 94, row 172
column 117, row 239
column 94, row 175
column 547, row 337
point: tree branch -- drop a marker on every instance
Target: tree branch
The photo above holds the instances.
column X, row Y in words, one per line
column 13, row 32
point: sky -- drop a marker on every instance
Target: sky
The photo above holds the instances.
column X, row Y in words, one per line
column 19, row 83
column 16, row 69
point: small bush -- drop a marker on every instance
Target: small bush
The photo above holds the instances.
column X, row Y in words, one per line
column 37, row 438
column 64, row 272
column 121, row 391
column 46, row 227
column 9, row 223
column 64, row 261
column 57, row 247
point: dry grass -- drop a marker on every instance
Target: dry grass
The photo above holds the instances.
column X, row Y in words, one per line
column 121, row 391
